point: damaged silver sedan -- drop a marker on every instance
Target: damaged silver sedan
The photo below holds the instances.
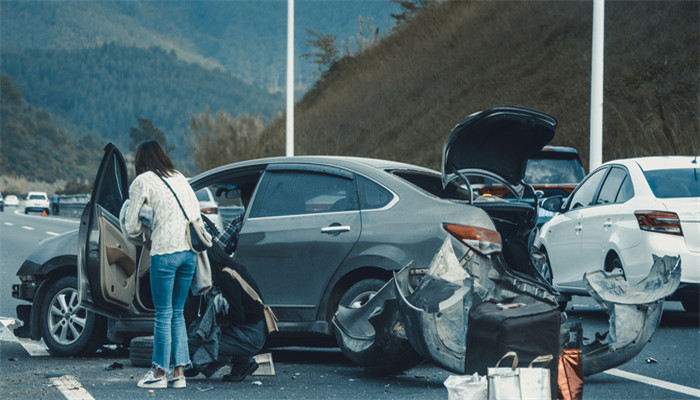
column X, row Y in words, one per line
column 404, row 323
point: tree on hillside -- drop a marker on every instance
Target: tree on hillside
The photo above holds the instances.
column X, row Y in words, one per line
column 327, row 50
column 225, row 139
column 145, row 132
column 409, row 8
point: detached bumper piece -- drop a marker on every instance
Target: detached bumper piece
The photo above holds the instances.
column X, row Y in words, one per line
column 402, row 324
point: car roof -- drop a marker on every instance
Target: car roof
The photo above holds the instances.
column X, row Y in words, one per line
column 658, row 162
column 356, row 163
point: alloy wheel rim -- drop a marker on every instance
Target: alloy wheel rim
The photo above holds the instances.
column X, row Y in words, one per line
column 66, row 319
column 362, row 298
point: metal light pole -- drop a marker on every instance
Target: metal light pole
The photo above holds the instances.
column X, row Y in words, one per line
column 290, row 78
column 596, row 141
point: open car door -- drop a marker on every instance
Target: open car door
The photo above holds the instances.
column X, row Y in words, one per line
column 106, row 260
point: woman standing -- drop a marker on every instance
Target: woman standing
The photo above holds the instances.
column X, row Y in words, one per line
column 172, row 261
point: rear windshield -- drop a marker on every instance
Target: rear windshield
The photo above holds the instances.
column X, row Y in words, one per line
column 432, row 183
column 547, row 171
column 673, row 183
column 37, row 197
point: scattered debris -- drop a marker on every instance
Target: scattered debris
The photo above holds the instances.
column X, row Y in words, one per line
column 11, row 359
column 651, row 361
column 419, row 376
column 115, row 365
column 256, row 383
column 151, row 392
column 205, row 389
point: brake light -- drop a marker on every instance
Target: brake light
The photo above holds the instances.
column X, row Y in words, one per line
column 484, row 241
column 659, row 221
column 210, row 210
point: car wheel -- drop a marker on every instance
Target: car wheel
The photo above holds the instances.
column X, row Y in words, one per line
column 141, row 351
column 691, row 303
column 615, row 263
column 67, row 328
column 396, row 358
column 546, row 272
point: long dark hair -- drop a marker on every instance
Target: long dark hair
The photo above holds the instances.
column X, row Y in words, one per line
column 150, row 156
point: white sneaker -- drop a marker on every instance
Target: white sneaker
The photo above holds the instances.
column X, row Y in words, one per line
column 151, row 382
column 178, row 382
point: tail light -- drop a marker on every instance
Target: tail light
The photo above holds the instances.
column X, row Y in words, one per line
column 210, row 210
column 484, row 241
column 659, row 221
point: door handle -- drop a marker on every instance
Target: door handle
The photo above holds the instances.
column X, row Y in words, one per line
column 335, row 229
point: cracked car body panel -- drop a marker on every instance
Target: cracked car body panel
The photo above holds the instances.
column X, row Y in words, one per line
column 634, row 310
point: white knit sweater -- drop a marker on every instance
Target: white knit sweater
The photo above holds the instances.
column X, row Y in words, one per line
column 168, row 232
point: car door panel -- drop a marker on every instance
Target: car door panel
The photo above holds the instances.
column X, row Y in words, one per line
column 302, row 223
column 564, row 248
column 103, row 287
column 117, row 265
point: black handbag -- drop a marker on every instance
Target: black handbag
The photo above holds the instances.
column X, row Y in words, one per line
column 197, row 236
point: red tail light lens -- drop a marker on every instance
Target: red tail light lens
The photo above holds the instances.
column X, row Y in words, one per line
column 484, row 241
column 210, row 210
column 659, row 221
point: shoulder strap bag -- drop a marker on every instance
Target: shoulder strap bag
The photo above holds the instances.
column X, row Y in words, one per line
column 270, row 318
column 197, row 236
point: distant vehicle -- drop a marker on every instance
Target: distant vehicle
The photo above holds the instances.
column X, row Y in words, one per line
column 11, row 201
column 553, row 171
column 2, row 203
column 37, row 201
column 622, row 213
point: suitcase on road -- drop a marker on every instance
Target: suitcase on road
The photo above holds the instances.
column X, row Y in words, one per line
column 527, row 326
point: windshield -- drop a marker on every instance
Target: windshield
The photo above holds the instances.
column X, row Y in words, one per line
column 674, row 183
column 544, row 171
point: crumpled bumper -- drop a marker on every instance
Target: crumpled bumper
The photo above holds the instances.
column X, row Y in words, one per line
column 431, row 319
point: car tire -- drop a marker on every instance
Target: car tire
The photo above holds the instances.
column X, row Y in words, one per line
column 690, row 303
column 67, row 328
column 141, row 351
column 614, row 263
column 400, row 359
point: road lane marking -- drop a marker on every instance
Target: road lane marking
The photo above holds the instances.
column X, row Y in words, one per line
column 71, row 388
column 34, row 348
column 654, row 382
column 9, row 224
column 29, row 228
column 52, row 233
column 53, row 218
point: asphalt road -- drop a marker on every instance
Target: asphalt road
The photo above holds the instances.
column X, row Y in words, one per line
column 667, row 368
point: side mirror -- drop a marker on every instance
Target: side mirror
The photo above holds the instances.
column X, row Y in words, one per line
column 553, row 203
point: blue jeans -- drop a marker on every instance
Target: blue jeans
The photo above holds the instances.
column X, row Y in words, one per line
column 171, row 276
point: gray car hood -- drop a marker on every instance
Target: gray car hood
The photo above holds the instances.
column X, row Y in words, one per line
column 498, row 140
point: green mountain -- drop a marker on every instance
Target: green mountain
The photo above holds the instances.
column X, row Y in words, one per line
column 105, row 89
column 248, row 38
column 400, row 99
column 32, row 146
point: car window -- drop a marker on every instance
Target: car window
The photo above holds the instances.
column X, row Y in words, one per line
column 626, row 191
column 583, row 196
column 304, row 192
column 432, row 183
column 611, row 186
column 203, row 195
column 372, row 195
column 110, row 196
column 552, row 171
column 673, row 183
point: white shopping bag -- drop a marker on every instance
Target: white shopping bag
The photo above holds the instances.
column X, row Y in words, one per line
column 466, row 387
column 514, row 383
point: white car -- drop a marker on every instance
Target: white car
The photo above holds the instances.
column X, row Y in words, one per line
column 11, row 201
column 36, row 201
column 622, row 213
